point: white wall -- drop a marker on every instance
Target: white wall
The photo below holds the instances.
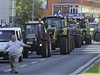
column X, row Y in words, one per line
column 4, row 10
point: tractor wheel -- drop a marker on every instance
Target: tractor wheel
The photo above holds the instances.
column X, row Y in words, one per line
column 88, row 40
column 25, row 53
column 97, row 37
column 63, row 44
column 73, row 43
column 44, row 50
column 49, row 49
column 82, row 40
column 77, row 41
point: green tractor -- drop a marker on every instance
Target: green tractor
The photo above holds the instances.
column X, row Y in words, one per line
column 77, row 33
column 61, row 35
column 85, row 30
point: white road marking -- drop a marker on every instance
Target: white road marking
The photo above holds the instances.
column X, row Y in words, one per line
column 7, row 70
column 34, row 62
column 23, row 65
column 57, row 56
column 42, row 59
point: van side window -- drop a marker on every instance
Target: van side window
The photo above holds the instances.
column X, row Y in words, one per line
column 17, row 34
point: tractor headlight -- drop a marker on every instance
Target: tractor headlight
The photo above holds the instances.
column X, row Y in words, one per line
column 91, row 29
column 40, row 44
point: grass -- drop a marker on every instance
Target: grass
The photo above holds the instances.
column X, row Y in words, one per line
column 94, row 70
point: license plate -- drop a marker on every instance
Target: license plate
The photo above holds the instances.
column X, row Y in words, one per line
column 29, row 42
column 1, row 57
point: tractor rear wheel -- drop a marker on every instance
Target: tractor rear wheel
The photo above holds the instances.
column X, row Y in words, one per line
column 44, row 50
column 77, row 41
column 63, row 44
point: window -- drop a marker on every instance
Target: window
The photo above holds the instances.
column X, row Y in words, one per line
column 71, row 11
column 74, row 10
column 65, row 8
column 57, row 8
column 5, row 35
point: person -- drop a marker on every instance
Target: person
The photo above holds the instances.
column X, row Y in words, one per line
column 14, row 51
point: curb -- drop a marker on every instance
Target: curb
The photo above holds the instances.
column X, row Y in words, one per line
column 84, row 67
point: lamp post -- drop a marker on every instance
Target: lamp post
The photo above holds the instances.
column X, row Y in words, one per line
column 13, row 11
column 32, row 10
column 81, row 8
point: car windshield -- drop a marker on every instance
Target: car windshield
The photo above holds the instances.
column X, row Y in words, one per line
column 31, row 29
column 5, row 35
column 52, row 22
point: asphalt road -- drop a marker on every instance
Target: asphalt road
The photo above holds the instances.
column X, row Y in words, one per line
column 55, row 65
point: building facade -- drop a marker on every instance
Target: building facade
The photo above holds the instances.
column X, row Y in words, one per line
column 4, row 12
column 74, row 8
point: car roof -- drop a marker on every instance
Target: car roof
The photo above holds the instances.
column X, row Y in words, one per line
column 11, row 28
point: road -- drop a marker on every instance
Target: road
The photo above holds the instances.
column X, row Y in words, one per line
column 55, row 65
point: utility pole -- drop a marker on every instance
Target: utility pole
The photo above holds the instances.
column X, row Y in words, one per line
column 33, row 10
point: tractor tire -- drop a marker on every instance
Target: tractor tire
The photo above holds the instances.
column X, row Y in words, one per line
column 63, row 44
column 88, row 40
column 25, row 53
column 77, row 41
column 82, row 40
column 49, row 49
column 44, row 51
column 73, row 43
column 97, row 37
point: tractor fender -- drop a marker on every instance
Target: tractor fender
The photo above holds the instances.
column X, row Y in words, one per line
column 46, row 37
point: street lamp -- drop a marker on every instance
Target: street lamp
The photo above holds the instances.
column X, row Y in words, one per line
column 33, row 10
column 81, row 8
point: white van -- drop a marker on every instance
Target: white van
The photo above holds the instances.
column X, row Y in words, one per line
column 5, row 36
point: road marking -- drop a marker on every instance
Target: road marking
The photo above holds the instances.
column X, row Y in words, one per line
column 34, row 62
column 42, row 59
column 23, row 65
column 57, row 56
column 7, row 70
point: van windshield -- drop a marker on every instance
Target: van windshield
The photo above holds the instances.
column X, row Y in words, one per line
column 5, row 35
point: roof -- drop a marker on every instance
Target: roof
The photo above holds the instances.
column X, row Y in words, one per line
column 52, row 17
column 11, row 28
column 30, row 22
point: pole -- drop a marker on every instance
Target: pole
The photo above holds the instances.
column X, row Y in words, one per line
column 33, row 10
column 81, row 8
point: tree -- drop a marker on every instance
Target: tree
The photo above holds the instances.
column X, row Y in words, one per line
column 24, row 11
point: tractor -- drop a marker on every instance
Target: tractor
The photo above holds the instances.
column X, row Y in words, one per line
column 36, row 35
column 61, row 35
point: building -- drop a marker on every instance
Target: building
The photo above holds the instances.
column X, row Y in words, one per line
column 4, row 12
column 74, row 8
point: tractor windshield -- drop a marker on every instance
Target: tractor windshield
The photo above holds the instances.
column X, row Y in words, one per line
column 31, row 29
column 52, row 22
column 5, row 35
column 93, row 25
